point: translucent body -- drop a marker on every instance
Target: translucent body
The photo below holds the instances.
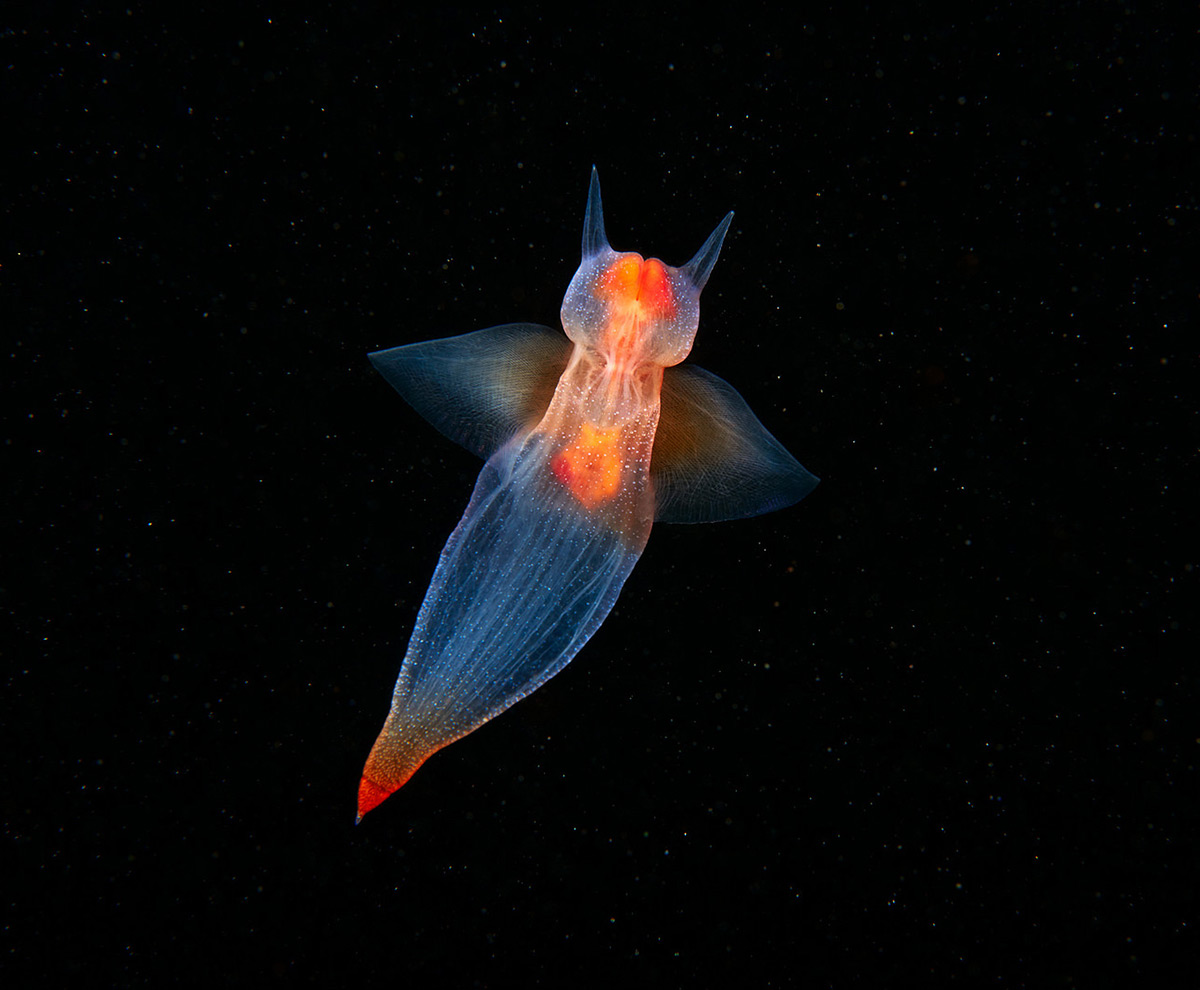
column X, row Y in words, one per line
column 524, row 581
column 578, row 468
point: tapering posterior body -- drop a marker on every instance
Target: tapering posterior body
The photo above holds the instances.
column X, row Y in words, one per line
column 588, row 439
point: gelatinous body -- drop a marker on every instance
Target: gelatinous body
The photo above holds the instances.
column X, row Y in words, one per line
column 589, row 439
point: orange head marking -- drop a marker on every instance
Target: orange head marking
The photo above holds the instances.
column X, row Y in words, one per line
column 654, row 288
column 631, row 281
column 590, row 467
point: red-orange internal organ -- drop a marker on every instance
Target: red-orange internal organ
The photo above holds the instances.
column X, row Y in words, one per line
column 590, row 467
column 631, row 280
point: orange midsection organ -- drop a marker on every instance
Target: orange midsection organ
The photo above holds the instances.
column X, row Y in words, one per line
column 591, row 465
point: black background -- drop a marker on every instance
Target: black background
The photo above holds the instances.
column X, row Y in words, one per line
column 936, row 723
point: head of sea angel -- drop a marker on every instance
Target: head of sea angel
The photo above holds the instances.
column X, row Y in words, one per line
column 632, row 310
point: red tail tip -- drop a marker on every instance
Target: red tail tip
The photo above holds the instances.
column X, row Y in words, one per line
column 370, row 796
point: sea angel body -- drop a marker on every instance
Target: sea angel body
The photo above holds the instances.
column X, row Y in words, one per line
column 589, row 439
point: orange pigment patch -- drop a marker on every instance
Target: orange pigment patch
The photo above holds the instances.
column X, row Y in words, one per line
column 591, row 466
column 654, row 288
column 629, row 280
column 619, row 283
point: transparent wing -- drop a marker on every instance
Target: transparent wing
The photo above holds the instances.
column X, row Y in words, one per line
column 483, row 388
column 713, row 459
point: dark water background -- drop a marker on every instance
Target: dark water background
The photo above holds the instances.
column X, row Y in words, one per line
column 937, row 722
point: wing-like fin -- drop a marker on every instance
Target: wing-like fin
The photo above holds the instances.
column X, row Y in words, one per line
column 482, row 388
column 713, row 459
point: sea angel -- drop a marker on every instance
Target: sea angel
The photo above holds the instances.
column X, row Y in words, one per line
column 589, row 439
